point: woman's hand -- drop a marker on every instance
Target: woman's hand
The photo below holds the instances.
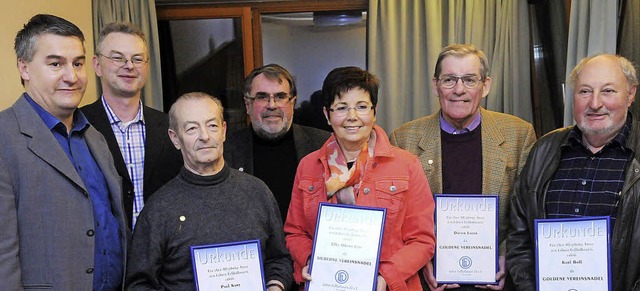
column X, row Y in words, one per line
column 305, row 273
column 382, row 284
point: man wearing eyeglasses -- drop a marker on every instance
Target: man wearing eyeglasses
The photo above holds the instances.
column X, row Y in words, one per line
column 136, row 134
column 464, row 148
column 272, row 147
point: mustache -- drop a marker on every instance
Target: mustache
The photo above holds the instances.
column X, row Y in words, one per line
column 270, row 113
column 214, row 145
column 597, row 111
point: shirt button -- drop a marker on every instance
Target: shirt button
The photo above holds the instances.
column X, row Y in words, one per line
column 584, row 182
column 89, row 270
column 311, row 188
column 577, row 210
column 366, row 190
column 374, row 165
column 392, row 188
column 241, row 169
column 90, row 232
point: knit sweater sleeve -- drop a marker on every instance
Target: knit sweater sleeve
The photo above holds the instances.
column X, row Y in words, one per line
column 278, row 264
column 145, row 255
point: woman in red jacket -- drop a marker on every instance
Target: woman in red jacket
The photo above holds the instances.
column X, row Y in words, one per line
column 358, row 166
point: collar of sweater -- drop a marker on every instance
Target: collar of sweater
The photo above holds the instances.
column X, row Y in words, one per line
column 198, row 180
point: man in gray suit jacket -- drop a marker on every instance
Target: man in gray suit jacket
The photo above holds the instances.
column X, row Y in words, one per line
column 61, row 216
column 273, row 146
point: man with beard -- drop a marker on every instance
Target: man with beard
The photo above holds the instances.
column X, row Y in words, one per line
column 589, row 169
column 207, row 203
column 272, row 140
column 136, row 134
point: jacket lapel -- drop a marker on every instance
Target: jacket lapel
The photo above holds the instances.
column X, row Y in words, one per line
column 97, row 147
column 431, row 157
column 97, row 115
column 153, row 144
column 494, row 161
column 42, row 142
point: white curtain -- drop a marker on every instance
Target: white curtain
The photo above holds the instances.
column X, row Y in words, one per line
column 143, row 14
column 592, row 30
column 405, row 38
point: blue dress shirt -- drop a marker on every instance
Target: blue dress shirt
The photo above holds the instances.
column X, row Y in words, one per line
column 108, row 256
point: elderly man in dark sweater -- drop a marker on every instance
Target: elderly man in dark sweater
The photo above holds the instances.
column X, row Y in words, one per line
column 207, row 203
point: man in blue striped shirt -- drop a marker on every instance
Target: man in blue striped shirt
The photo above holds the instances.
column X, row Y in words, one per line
column 136, row 134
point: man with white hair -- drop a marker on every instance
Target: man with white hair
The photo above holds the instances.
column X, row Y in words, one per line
column 589, row 169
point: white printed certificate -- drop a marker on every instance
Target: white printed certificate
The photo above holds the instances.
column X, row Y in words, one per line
column 466, row 239
column 346, row 247
column 228, row 266
column 573, row 254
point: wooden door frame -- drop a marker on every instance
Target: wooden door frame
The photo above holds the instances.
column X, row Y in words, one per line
column 193, row 12
column 251, row 17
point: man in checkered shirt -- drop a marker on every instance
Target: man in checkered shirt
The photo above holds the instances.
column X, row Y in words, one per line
column 136, row 134
column 589, row 169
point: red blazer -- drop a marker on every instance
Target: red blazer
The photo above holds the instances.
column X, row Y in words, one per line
column 408, row 242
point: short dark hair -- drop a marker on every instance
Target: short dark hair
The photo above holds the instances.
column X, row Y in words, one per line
column 122, row 27
column 25, row 42
column 341, row 80
column 271, row 72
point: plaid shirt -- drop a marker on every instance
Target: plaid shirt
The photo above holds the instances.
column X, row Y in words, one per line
column 588, row 184
column 131, row 140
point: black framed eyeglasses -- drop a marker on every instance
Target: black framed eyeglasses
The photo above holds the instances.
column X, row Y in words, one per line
column 280, row 98
column 120, row 61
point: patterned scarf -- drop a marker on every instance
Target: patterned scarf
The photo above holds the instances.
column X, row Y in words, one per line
column 344, row 182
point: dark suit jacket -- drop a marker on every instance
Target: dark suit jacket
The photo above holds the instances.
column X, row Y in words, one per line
column 162, row 161
column 238, row 148
column 46, row 216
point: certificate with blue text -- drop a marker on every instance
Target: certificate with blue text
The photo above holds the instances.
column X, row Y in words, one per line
column 346, row 247
column 466, row 228
column 573, row 254
column 228, row 266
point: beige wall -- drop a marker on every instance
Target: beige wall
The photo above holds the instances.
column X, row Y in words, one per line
column 13, row 15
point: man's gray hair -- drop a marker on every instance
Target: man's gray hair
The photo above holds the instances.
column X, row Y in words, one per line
column 461, row 50
column 173, row 119
column 628, row 69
